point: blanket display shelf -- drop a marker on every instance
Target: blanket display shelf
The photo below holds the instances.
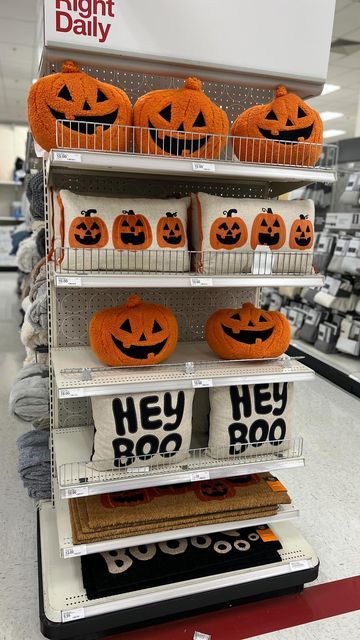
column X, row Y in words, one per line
column 77, row 376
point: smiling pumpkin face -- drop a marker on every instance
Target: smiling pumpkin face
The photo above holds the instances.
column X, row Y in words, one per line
column 180, row 122
column 88, row 232
column 131, row 231
column 268, row 230
column 136, row 333
column 289, row 131
column 170, row 232
column 301, row 234
column 229, row 233
column 247, row 332
column 84, row 103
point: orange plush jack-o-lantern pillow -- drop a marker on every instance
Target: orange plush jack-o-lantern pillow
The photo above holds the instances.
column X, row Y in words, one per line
column 83, row 103
column 180, row 122
column 135, row 333
column 229, row 233
column 288, row 131
column 247, row 332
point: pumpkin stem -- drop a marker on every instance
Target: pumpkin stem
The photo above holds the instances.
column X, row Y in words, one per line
column 133, row 301
column 280, row 91
column 129, row 213
column 193, row 83
column 268, row 210
column 248, row 305
column 88, row 213
column 303, row 217
column 229, row 213
column 171, row 215
column 68, row 66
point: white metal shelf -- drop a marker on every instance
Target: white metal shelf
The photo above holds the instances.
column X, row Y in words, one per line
column 281, row 179
column 70, row 550
column 192, row 365
column 64, row 591
column 157, row 281
column 76, row 476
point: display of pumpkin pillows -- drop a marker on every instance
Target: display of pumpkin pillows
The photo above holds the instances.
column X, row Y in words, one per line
column 227, row 230
column 125, row 227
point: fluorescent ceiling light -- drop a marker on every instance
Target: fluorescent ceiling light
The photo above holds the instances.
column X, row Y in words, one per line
column 330, row 115
column 332, row 133
column 329, row 88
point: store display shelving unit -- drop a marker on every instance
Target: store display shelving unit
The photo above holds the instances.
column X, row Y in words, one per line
column 77, row 375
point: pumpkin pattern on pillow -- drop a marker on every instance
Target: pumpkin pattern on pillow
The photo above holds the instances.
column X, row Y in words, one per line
column 140, row 234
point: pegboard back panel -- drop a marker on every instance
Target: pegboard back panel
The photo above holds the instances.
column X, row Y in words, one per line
column 192, row 308
column 233, row 98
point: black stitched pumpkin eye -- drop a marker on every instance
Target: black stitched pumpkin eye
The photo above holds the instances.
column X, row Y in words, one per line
column 271, row 115
column 177, row 228
column 126, row 326
column 235, row 226
column 125, row 223
column 263, row 223
column 262, row 319
column 94, row 226
column 276, row 223
column 236, row 316
column 156, row 327
column 65, row 94
column 308, row 229
column 166, row 227
column 298, row 228
column 166, row 113
column 82, row 225
column 223, row 226
column 101, row 97
column 200, row 120
column 138, row 223
column 301, row 113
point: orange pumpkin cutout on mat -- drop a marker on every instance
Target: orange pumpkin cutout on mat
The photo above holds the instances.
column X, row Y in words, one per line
column 135, row 333
column 247, row 332
column 229, row 233
column 88, row 232
column 289, row 131
column 268, row 229
column 301, row 233
column 180, row 122
column 170, row 232
column 131, row 231
column 84, row 103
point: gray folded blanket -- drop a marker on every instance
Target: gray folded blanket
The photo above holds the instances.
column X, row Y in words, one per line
column 38, row 310
column 34, row 463
column 29, row 397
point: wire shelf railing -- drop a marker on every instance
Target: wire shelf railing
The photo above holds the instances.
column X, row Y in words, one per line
column 179, row 262
column 96, row 136
column 208, row 458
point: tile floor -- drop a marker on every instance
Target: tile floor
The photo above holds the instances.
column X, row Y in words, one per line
column 327, row 491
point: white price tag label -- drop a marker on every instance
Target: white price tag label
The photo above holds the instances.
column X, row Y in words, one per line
column 200, row 475
column 299, row 565
column 202, row 383
column 138, row 469
column 65, row 281
column 201, row 636
column 70, row 393
column 77, row 492
column 203, row 166
column 72, row 552
column 201, row 282
column 65, row 156
column 73, row 614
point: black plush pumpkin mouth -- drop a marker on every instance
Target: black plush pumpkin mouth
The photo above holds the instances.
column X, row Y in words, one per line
column 267, row 238
column 289, row 135
column 248, row 337
column 86, row 124
column 172, row 239
column 139, row 352
column 302, row 242
column 228, row 239
column 131, row 238
column 88, row 240
column 177, row 146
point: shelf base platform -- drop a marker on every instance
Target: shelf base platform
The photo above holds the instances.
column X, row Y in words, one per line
column 342, row 370
column 67, row 614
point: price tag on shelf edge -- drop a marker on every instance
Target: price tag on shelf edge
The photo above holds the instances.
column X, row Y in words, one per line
column 66, row 281
column 201, row 282
column 197, row 476
column 72, row 552
column 201, row 636
column 138, row 469
column 72, row 614
column 201, row 383
column 77, row 492
column 66, row 156
column 299, row 565
column 204, row 166
column 64, row 394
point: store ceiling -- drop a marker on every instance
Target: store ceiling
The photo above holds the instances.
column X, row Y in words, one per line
column 19, row 41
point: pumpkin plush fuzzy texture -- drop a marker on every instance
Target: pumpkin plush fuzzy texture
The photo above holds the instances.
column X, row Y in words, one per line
column 88, row 232
column 285, row 128
column 301, row 233
column 170, row 232
column 135, row 333
column 167, row 115
column 247, row 333
column 268, row 229
column 229, row 232
column 74, row 95
column 131, row 231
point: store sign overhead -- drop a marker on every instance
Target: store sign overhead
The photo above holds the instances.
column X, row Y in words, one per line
column 91, row 18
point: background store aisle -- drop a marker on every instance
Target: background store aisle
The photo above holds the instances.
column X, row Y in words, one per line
column 18, row 572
